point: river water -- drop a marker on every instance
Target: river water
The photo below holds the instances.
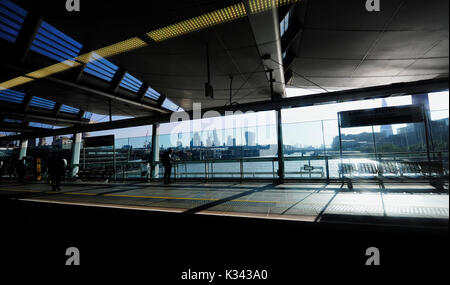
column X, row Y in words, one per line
column 264, row 169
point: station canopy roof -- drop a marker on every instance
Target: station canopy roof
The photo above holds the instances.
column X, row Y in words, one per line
column 141, row 58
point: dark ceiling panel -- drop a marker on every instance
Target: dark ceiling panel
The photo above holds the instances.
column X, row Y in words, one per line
column 103, row 22
column 178, row 67
column 344, row 46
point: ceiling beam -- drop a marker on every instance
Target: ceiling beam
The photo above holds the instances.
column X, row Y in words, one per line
column 117, row 79
column 397, row 89
column 26, row 36
column 91, row 90
column 266, row 32
column 20, row 129
column 26, row 102
column 81, row 114
column 105, row 95
column 161, row 100
column 142, row 91
column 79, row 71
column 45, row 119
column 57, row 109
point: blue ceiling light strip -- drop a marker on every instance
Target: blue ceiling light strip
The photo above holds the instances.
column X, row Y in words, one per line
column 40, row 125
column 54, row 44
column 169, row 105
column 152, row 94
column 101, row 68
column 11, row 96
column 13, row 121
column 69, row 109
column 87, row 115
column 42, row 103
column 61, row 36
column 11, row 20
column 13, row 7
column 58, row 46
column 131, row 83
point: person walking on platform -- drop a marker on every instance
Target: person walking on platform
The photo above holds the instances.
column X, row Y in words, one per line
column 56, row 170
column 167, row 162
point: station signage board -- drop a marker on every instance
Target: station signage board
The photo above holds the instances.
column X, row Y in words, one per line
column 99, row 141
column 382, row 116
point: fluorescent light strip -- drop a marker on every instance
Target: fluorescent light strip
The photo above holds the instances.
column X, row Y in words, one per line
column 69, row 109
column 13, row 121
column 11, row 20
column 114, row 49
column 15, row 82
column 40, row 125
column 227, row 14
column 87, row 115
column 217, row 17
column 11, row 96
column 54, row 44
column 101, row 68
column 169, row 105
column 258, row 6
column 152, row 94
column 42, row 103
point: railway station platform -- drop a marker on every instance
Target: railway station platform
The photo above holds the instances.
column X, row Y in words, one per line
column 400, row 203
column 158, row 232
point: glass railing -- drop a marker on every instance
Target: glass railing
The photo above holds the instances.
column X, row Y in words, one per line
column 332, row 167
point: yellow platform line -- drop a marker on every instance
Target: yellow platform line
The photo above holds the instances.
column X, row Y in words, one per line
column 80, row 194
column 25, row 191
column 144, row 197
column 195, row 199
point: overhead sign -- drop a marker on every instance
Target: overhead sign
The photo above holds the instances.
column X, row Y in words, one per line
column 382, row 116
column 99, row 141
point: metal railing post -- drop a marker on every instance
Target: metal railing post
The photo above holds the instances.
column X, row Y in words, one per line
column 310, row 171
column 175, row 171
column 273, row 169
column 241, row 170
column 114, row 162
column 206, row 170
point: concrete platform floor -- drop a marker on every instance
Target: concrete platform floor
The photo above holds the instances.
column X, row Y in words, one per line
column 305, row 202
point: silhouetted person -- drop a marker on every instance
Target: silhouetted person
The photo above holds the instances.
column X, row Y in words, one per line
column 167, row 162
column 10, row 168
column 56, row 170
column 2, row 169
column 21, row 169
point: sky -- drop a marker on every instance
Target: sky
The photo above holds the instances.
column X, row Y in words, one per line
column 298, row 121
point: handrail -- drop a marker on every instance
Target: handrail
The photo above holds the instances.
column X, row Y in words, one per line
column 205, row 169
column 286, row 158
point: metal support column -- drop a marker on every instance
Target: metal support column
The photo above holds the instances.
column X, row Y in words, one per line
column 341, row 167
column 114, row 161
column 427, row 138
column 23, row 149
column 76, row 149
column 280, row 147
column 110, row 112
column 375, row 144
column 155, row 152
